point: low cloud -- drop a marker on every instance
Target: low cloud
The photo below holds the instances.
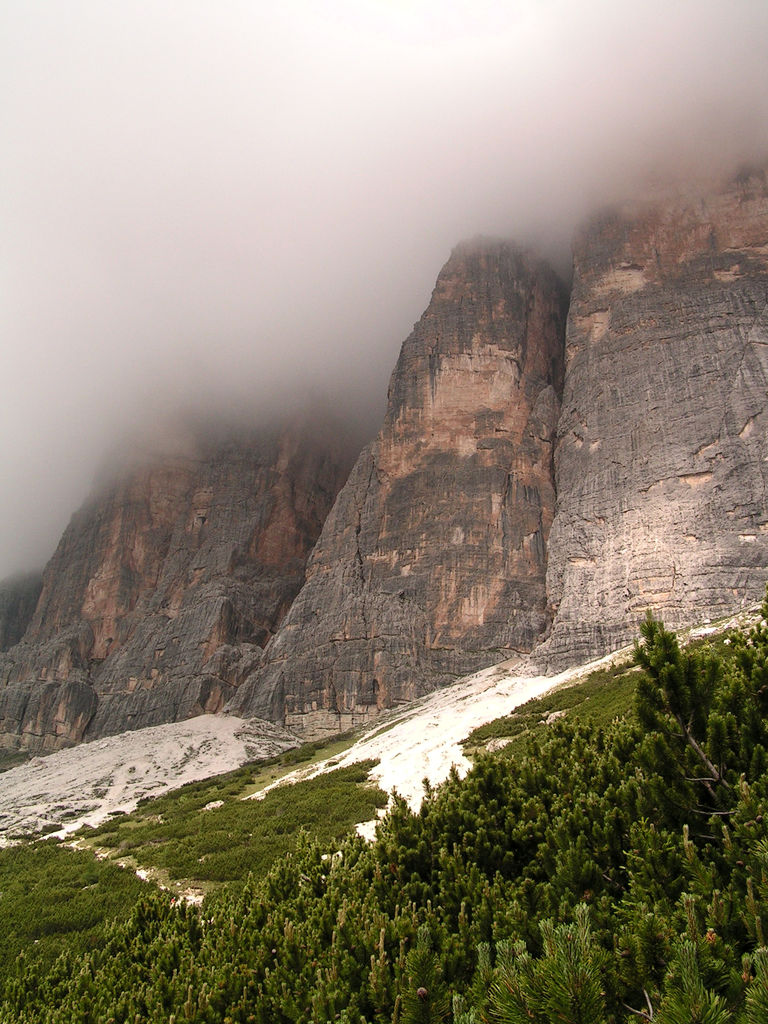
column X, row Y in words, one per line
column 218, row 205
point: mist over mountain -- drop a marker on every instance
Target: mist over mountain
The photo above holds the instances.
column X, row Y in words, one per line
column 218, row 208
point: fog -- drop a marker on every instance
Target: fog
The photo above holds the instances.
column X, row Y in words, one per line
column 224, row 204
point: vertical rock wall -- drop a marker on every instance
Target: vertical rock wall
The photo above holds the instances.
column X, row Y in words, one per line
column 432, row 562
column 167, row 584
column 662, row 445
column 445, row 551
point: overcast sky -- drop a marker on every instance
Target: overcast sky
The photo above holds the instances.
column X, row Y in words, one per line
column 229, row 200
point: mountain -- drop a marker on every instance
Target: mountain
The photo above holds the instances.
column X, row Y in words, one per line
column 91, row 782
column 549, row 467
column 167, row 584
column 432, row 563
column 662, row 445
column 446, row 551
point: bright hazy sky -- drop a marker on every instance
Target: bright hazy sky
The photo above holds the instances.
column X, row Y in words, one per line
column 222, row 203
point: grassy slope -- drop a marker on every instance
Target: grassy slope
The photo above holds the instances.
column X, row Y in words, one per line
column 188, row 844
column 603, row 695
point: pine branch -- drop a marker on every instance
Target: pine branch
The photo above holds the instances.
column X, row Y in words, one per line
column 692, row 742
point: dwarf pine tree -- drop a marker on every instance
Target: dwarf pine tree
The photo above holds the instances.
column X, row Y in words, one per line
column 565, row 984
column 425, row 997
column 757, row 994
column 674, row 703
column 688, row 1001
column 660, row 826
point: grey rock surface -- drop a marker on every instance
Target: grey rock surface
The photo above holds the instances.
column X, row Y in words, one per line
column 87, row 784
column 432, row 562
column 662, row 445
column 178, row 589
column 167, row 584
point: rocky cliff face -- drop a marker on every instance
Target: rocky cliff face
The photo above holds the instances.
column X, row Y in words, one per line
column 446, row 550
column 166, row 586
column 432, row 562
column 662, row 446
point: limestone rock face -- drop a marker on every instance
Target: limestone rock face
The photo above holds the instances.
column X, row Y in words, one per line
column 165, row 587
column 432, row 562
column 531, row 489
column 662, row 444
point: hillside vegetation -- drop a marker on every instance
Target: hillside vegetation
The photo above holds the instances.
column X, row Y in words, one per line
column 54, row 898
column 206, row 833
column 600, row 868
